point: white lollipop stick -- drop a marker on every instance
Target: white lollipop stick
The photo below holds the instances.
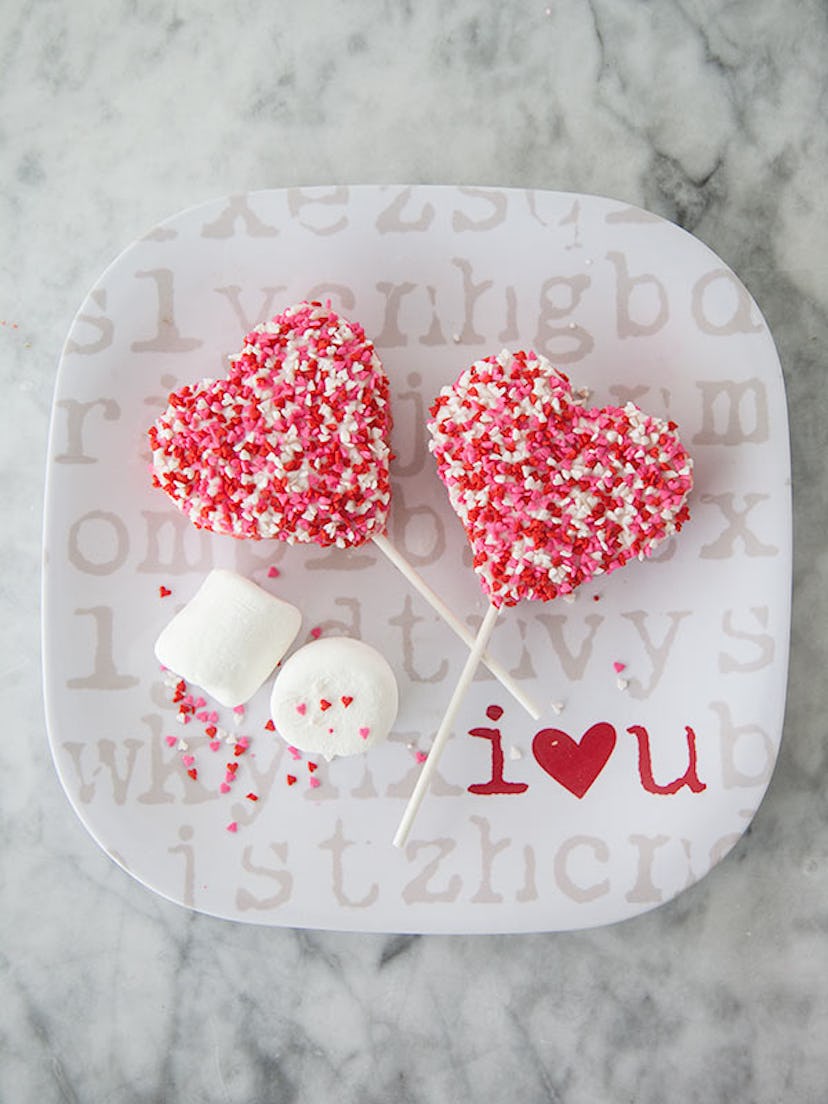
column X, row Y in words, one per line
column 453, row 621
column 467, row 674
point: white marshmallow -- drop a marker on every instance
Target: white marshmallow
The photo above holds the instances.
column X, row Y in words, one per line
column 229, row 637
column 310, row 703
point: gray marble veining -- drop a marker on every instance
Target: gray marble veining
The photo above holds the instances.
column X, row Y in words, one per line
column 113, row 117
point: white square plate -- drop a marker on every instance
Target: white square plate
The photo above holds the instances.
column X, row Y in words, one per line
column 628, row 305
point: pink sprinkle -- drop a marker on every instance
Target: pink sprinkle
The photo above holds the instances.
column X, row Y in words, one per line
column 295, row 752
column 230, row 776
column 314, row 783
column 243, row 742
column 224, row 788
column 170, row 741
column 200, row 703
column 215, row 745
column 239, row 709
column 232, row 826
column 365, row 732
column 273, row 573
column 420, row 756
column 316, row 633
column 619, row 667
column 188, row 760
column 204, row 717
column 212, row 717
column 301, row 709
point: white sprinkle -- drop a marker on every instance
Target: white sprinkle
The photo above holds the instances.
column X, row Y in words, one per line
column 515, row 752
column 183, row 745
column 558, row 706
column 622, row 683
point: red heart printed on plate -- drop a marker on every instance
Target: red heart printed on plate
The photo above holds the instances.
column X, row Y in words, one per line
column 550, row 493
column 292, row 445
column 575, row 765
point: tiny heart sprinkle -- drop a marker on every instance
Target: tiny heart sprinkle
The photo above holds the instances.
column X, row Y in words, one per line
column 324, row 704
column 211, row 731
column 270, row 726
column 224, row 787
column 232, row 826
column 164, row 592
column 291, row 779
column 311, row 767
column 365, row 732
column 170, row 741
column 316, row 633
column 618, row 667
column 187, row 760
column 215, row 745
column 346, row 700
column 193, row 773
column 301, row 709
column 314, row 783
column 273, row 573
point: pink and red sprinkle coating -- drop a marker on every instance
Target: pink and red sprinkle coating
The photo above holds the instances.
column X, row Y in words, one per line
column 551, row 493
column 293, row 444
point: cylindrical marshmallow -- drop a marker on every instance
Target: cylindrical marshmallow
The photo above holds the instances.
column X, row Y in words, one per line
column 229, row 637
column 335, row 696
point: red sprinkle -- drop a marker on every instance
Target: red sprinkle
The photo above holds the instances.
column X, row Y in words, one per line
column 232, row 826
column 273, row 573
column 324, row 705
column 291, row 779
column 164, row 592
column 316, row 633
column 311, row 767
column 346, row 700
column 193, row 773
column 270, row 726
column 252, row 797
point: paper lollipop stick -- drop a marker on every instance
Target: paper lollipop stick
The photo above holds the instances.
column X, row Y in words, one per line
column 444, row 731
column 454, row 623
column 550, row 494
column 292, row 445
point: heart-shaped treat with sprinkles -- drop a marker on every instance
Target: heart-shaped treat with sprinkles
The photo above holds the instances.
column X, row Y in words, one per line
column 293, row 445
column 550, row 493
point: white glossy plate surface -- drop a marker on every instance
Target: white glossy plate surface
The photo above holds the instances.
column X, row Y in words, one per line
column 626, row 304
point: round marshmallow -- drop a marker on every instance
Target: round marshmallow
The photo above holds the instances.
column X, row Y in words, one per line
column 335, row 696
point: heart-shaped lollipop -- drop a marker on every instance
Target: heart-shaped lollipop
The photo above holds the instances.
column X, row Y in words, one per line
column 293, row 444
column 550, row 493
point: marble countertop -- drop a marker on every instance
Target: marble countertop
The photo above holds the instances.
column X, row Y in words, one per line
column 115, row 116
